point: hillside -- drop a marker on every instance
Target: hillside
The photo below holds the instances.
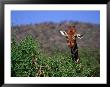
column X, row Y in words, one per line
column 49, row 36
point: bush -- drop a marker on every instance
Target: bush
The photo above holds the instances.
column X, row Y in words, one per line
column 23, row 57
column 28, row 60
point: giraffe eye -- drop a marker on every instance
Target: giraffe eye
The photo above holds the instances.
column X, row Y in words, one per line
column 67, row 41
column 71, row 31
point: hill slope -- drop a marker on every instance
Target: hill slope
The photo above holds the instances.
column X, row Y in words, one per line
column 49, row 36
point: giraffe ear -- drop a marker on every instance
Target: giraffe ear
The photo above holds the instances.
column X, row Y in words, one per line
column 79, row 36
column 63, row 33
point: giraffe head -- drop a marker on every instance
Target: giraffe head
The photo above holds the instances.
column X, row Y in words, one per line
column 71, row 35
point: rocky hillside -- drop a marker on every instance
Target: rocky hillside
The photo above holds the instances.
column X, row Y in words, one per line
column 50, row 38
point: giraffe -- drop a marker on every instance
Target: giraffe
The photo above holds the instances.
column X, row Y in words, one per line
column 71, row 35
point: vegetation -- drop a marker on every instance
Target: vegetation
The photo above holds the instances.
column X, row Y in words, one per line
column 28, row 60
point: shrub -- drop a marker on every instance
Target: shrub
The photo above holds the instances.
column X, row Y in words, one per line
column 28, row 60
